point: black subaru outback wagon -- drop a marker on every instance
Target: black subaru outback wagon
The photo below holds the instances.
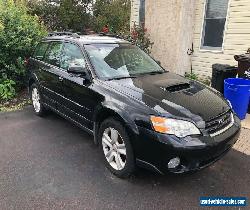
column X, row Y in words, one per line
column 138, row 113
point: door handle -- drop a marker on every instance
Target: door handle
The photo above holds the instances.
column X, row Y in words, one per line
column 60, row 79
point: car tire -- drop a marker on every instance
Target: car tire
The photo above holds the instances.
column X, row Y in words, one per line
column 37, row 104
column 117, row 153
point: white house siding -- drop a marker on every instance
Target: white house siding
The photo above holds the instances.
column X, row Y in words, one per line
column 236, row 40
column 135, row 6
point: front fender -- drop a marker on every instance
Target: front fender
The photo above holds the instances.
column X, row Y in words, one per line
column 119, row 110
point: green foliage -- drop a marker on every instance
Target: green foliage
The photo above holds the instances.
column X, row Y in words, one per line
column 19, row 33
column 79, row 15
column 47, row 11
column 62, row 15
column 7, row 89
column 139, row 37
column 114, row 13
column 191, row 76
column 73, row 14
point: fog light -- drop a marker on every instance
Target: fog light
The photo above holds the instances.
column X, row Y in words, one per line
column 173, row 163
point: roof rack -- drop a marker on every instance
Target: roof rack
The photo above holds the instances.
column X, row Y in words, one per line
column 109, row 35
column 64, row 33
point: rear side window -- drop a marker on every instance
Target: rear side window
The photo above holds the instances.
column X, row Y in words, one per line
column 40, row 50
column 53, row 55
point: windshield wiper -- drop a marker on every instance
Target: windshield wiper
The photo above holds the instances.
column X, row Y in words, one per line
column 156, row 72
column 135, row 75
column 118, row 78
column 152, row 73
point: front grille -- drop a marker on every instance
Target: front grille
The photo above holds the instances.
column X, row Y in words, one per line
column 219, row 123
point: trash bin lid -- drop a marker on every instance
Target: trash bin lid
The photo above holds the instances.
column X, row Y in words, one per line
column 243, row 57
column 223, row 67
column 239, row 82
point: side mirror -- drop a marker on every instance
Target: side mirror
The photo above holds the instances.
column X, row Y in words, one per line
column 77, row 69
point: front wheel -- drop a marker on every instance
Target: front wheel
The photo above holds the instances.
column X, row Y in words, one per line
column 36, row 100
column 116, row 148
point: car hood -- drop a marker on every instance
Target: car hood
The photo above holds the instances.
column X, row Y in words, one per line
column 171, row 94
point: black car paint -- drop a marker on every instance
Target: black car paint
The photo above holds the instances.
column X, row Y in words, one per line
column 84, row 99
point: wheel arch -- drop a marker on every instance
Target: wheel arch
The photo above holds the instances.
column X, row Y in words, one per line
column 33, row 79
column 105, row 112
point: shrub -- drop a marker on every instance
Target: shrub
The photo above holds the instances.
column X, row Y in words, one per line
column 7, row 90
column 140, row 38
column 19, row 33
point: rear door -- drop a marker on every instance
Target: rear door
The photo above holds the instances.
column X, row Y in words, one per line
column 50, row 75
column 36, row 61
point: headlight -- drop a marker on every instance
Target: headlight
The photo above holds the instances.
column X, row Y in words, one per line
column 179, row 128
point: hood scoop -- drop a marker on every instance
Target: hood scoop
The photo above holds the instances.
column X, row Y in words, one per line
column 176, row 87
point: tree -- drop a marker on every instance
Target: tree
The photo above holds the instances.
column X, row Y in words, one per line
column 73, row 14
column 62, row 15
column 78, row 15
column 114, row 13
column 46, row 10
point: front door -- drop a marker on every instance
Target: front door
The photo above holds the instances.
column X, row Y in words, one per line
column 79, row 101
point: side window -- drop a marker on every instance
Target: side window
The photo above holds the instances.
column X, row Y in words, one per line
column 53, row 55
column 40, row 50
column 71, row 54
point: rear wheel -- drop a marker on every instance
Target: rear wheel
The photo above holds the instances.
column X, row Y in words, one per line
column 36, row 100
column 116, row 148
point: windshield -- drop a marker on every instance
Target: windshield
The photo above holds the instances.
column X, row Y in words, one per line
column 120, row 61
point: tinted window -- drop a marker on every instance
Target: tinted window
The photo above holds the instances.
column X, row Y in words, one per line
column 40, row 50
column 53, row 55
column 71, row 54
column 214, row 23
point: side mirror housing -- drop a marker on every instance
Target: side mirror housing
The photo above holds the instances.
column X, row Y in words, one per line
column 81, row 71
column 77, row 69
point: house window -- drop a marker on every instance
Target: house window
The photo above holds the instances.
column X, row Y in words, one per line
column 214, row 24
column 142, row 11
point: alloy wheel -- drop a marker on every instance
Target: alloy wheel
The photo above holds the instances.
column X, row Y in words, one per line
column 114, row 148
column 36, row 100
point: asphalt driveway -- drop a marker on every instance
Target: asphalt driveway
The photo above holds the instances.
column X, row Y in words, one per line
column 48, row 163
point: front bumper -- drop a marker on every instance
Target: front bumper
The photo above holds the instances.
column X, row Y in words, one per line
column 154, row 150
